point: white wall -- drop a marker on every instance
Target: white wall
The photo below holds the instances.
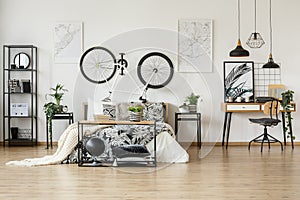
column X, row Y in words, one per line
column 31, row 22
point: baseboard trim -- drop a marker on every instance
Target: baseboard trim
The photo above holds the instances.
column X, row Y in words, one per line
column 38, row 144
column 45, row 144
column 234, row 143
column 192, row 144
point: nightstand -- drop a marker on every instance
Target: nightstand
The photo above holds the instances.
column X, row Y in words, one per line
column 189, row 116
column 58, row 116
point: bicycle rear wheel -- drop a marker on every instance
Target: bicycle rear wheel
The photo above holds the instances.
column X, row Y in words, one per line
column 98, row 65
column 155, row 69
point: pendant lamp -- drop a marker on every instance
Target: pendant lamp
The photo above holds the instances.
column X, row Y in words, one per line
column 239, row 51
column 255, row 40
column 270, row 63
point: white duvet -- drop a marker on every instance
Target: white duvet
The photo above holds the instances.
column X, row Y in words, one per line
column 167, row 150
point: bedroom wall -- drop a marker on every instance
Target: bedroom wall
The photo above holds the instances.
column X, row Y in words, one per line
column 31, row 22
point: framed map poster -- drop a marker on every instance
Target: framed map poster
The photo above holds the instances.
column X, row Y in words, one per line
column 195, row 45
column 67, row 42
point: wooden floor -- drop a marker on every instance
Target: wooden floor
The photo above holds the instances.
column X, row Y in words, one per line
column 233, row 174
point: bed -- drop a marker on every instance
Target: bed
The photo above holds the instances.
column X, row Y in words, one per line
column 167, row 148
column 130, row 142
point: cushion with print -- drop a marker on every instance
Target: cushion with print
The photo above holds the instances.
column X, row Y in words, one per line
column 154, row 111
column 134, row 150
column 109, row 109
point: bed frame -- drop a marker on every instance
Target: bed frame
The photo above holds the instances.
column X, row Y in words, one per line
column 85, row 111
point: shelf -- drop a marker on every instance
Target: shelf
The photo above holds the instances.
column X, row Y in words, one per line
column 26, row 57
column 21, row 142
column 19, row 93
column 24, row 117
column 21, row 70
column 20, row 46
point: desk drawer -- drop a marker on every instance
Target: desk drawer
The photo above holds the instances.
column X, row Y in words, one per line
column 243, row 108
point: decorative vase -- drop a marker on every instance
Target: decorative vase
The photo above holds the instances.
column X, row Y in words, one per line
column 61, row 108
column 192, row 108
column 184, row 108
column 14, row 132
column 135, row 116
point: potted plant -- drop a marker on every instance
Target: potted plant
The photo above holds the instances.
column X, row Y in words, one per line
column 135, row 113
column 51, row 108
column 287, row 98
column 57, row 93
column 192, row 101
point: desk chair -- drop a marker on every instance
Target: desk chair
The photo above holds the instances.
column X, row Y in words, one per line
column 271, row 108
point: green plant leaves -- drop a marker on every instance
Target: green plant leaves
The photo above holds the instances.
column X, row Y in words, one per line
column 135, row 108
column 287, row 98
column 192, row 99
column 58, row 93
column 51, row 109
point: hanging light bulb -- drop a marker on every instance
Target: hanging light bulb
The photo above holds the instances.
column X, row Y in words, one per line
column 270, row 63
column 239, row 51
column 255, row 40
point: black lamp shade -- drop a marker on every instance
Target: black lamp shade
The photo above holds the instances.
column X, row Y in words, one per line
column 239, row 51
column 270, row 63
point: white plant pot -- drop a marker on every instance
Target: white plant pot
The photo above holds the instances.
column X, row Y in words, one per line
column 135, row 116
column 192, row 108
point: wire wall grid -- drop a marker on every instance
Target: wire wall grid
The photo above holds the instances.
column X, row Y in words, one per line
column 263, row 77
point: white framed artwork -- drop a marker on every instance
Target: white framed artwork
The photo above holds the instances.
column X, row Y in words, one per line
column 67, row 42
column 238, row 80
column 19, row 110
column 195, row 45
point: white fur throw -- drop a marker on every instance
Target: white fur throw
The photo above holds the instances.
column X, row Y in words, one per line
column 66, row 144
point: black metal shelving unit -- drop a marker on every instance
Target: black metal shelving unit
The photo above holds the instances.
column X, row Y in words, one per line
column 15, row 71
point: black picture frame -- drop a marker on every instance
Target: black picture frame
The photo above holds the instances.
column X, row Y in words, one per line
column 238, row 80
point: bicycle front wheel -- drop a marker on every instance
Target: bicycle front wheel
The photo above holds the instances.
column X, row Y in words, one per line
column 98, row 65
column 155, row 70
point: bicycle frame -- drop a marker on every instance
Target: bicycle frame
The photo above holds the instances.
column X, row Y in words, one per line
column 122, row 69
column 146, row 87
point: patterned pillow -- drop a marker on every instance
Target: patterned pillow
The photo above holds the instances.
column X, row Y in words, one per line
column 109, row 109
column 125, row 151
column 154, row 111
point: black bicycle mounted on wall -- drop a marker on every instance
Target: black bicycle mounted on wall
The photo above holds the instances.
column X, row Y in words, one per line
column 99, row 65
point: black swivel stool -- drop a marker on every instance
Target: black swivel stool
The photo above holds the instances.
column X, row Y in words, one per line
column 271, row 108
column 189, row 116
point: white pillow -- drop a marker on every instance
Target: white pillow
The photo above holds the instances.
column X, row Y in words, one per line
column 122, row 111
column 100, row 107
column 94, row 107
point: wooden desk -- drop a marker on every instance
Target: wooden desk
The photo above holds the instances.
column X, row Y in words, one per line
column 230, row 108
